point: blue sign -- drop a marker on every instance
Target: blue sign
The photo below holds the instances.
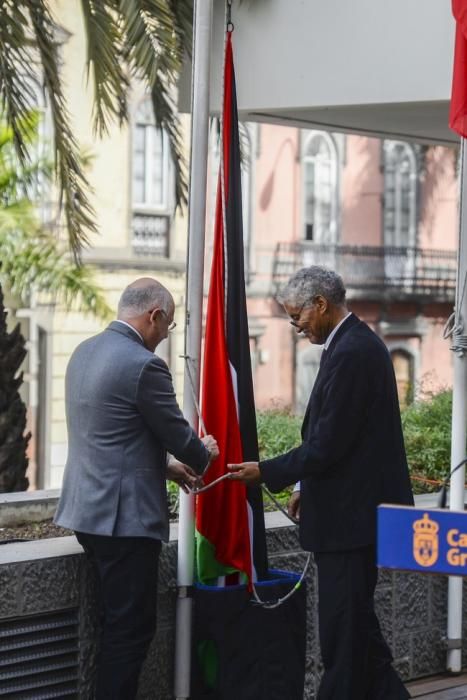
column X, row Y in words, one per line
column 429, row 540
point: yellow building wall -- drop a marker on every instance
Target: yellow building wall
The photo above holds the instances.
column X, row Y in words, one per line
column 109, row 175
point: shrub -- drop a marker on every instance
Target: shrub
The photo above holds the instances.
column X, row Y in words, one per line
column 427, row 434
column 278, row 432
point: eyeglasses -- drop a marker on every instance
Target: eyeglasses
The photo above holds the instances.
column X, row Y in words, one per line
column 171, row 325
column 294, row 320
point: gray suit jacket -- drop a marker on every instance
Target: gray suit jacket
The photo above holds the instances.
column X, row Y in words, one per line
column 122, row 418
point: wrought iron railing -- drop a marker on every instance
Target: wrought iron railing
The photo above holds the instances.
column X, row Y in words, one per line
column 150, row 234
column 374, row 272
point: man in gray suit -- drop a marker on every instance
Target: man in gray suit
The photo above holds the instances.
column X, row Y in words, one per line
column 123, row 420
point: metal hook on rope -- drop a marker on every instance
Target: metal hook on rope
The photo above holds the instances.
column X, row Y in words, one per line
column 454, row 329
column 229, row 24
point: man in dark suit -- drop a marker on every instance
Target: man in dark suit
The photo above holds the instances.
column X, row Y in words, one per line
column 352, row 458
column 123, row 420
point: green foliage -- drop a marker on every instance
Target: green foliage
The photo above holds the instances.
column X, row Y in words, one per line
column 173, row 498
column 127, row 41
column 32, row 257
column 427, row 434
column 278, row 432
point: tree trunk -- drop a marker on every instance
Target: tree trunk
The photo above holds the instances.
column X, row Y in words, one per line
column 13, row 440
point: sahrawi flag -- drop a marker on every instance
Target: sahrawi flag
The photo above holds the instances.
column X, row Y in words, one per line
column 458, row 110
column 229, row 517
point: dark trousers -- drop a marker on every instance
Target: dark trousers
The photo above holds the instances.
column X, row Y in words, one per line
column 126, row 569
column 357, row 661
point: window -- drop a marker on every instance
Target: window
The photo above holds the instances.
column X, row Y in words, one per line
column 151, row 188
column 400, row 181
column 320, row 188
column 150, row 161
column 39, row 188
column 404, row 371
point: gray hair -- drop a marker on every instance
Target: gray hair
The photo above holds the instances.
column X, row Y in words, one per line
column 135, row 301
column 310, row 282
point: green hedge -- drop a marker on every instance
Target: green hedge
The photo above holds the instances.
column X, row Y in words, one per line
column 427, row 434
column 278, row 432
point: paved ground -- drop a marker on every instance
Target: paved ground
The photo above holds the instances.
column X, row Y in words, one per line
column 440, row 688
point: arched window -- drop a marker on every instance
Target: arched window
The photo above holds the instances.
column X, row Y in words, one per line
column 151, row 162
column 320, row 188
column 403, row 363
column 400, row 182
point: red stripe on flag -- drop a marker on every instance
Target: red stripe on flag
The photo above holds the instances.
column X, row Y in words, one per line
column 221, row 513
column 458, row 109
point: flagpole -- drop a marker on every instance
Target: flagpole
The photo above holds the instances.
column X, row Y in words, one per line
column 202, row 24
column 459, row 418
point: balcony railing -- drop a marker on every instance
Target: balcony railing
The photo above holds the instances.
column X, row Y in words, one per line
column 374, row 272
column 150, row 234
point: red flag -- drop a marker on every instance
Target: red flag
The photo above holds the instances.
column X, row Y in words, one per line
column 458, row 110
column 229, row 527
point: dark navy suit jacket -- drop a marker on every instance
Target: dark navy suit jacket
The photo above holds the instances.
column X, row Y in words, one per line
column 352, row 456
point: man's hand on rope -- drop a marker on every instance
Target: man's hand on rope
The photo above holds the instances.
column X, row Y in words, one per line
column 183, row 475
column 211, row 444
column 247, row 472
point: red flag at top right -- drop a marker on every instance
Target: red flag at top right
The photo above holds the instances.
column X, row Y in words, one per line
column 458, row 111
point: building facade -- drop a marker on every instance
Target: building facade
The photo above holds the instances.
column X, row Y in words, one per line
column 382, row 213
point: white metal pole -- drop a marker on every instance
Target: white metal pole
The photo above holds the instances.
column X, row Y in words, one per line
column 459, row 419
column 202, row 23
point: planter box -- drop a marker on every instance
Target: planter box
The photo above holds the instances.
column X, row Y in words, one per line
column 48, row 582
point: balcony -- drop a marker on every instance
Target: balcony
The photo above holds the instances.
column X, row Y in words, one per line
column 374, row 273
column 150, row 234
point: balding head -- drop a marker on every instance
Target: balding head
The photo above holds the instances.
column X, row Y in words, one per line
column 143, row 295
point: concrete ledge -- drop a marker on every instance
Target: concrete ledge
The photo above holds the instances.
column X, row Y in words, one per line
column 39, row 549
column 27, row 506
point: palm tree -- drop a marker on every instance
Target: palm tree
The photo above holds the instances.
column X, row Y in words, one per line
column 126, row 39
column 13, row 441
column 32, row 261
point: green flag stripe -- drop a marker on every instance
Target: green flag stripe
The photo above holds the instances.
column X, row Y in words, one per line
column 209, row 569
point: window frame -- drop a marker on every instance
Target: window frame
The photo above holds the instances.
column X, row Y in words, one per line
column 307, row 159
column 396, row 236
column 150, row 130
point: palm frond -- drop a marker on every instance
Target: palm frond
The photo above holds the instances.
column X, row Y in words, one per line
column 74, row 189
column 154, row 52
column 182, row 11
column 31, row 260
column 165, row 110
column 16, row 72
column 104, row 59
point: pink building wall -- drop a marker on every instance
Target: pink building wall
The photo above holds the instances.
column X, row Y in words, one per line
column 277, row 216
column 438, row 206
column 362, row 188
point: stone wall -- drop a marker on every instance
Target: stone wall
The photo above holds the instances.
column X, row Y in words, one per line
column 49, row 575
